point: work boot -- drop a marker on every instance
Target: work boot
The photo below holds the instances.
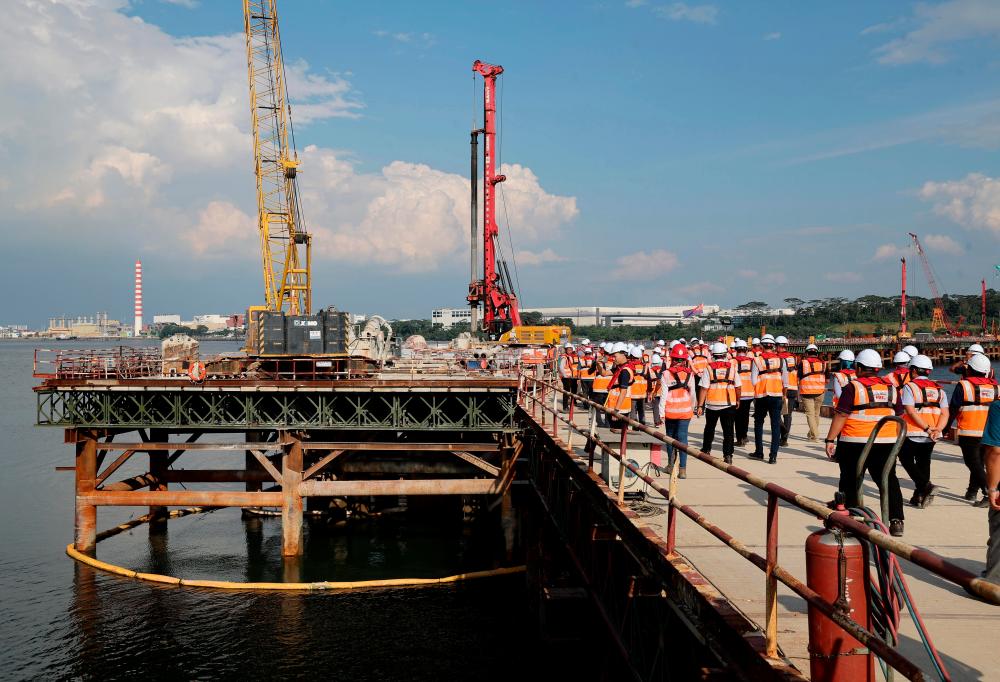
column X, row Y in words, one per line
column 917, row 500
column 928, row 496
column 756, row 455
column 896, row 528
column 773, row 459
column 740, row 442
column 784, row 441
column 985, row 502
column 728, row 459
column 682, row 473
column 971, row 493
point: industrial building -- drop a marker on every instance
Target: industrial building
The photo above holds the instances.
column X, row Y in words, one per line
column 97, row 326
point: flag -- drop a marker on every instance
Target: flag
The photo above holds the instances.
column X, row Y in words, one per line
column 700, row 308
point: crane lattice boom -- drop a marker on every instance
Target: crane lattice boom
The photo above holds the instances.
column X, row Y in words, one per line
column 284, row 242
column 940, row 316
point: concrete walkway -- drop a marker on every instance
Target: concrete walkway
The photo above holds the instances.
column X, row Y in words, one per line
column 965, row 630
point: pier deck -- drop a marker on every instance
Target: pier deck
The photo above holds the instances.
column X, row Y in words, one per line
column 963, row 628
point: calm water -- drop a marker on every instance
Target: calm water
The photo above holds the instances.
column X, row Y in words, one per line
column 61, row 621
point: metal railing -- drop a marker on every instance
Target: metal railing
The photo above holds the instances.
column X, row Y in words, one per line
column 96, row 363
column 539, row 392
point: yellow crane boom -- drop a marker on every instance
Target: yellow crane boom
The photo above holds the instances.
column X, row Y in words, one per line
column 285, row 244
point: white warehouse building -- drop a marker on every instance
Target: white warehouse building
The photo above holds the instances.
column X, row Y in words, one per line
column 616, row 316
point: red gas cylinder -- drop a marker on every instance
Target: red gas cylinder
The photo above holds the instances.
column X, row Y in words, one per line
column 835, row 655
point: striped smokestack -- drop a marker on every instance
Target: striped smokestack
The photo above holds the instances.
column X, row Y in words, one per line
column 138, row 298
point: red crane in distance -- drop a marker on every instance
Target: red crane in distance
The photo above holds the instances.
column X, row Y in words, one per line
column 940, row 319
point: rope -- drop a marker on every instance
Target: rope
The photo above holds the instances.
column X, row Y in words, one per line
column 324, row 585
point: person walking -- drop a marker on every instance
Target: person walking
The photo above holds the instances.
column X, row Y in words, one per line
column 900, row 374
column 586, row 362
column 744, row 366
column 845, row 374
column 770, row 380
column 698, row 357
column 791, row 401
column 991, row 441
column 655, row 394
column 601, row 372
column 924, row 408
column 619, row 388
column 969, row 404
column 718, row 395
column 863, row 402
column 679, row 398
column 568, row 373
column 812, row 388
column 639, row 385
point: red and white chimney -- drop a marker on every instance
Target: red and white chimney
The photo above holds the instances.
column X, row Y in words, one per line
column 138, row 298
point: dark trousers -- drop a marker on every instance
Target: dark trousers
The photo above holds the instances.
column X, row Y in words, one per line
column 599, row 398
column 587, row 389
column 972, row 453
column 569, row 384
column 743, row 419
column 766, row 407
column 639, row 410
column 916, row 459
column 847, row 456
column 786, row 420
column 728, row 419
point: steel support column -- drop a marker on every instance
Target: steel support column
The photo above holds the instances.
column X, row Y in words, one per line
column 158, row 469
column 291, row 509
column 85, row 531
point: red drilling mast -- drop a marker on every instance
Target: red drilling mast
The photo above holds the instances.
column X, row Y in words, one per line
column 494, row 291
column 902, row 304
column 940, row 318
column 983, row 310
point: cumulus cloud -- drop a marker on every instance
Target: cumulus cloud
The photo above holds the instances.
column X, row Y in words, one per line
column 525, row 257
column 888, row 252
column 644, row 265
column 679, row 11
column 222, row 231
column 973, row 201
column 775, row 35
column 843, row 277
column 934, row 26
column 942, row 243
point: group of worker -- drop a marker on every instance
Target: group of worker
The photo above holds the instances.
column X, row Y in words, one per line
column 683, row 379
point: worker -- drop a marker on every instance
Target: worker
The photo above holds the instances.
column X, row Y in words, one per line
column 639, row 384
column 863, row 402
column 925, row 410
column 812, row 388
column 911, row 351
column 959, row 367
column 619, row 399
column 587, row 361
column 755, row 348
column 601, row 372
column 679, row 399
column 845, row 374
column 568, row 372
column 718, row 395
column 969, row 404
column 744, row 366
column 991, row 439
column 699, row 358
column 655, row 389
column 900, row 373
column 791, row 401
column 770, row 380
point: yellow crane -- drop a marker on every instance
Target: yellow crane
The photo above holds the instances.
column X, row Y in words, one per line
column 285, row 244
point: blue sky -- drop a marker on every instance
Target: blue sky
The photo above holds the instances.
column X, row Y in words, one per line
column 666, row 153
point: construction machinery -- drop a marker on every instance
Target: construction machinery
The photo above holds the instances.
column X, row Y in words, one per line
column 940, row 319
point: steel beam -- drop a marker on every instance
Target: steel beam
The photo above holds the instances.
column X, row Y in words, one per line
column 452, row 486
column 180, row 498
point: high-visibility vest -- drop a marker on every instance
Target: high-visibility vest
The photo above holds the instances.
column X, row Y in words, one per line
column 812, row 376
column 677, row 394
column 744, row 365
column 619, row 398
column 769, row 376
column 977, row 394
column 874, row 398
column 654, row 387
column 721, row 392
column 844, row 376
column 927, row 403
column 639, row 384
column 791, row 366
column 898, row 378
column 699, row 363
column 602, row 379
column 566, row 364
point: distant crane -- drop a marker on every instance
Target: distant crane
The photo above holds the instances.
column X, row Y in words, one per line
column 285, row 245
column 940, row 318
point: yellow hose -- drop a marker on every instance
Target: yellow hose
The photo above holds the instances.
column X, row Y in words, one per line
column 228, row 585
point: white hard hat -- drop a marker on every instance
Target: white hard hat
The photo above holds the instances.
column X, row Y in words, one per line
column 922, row 362
column 661, row 342
column 812, row 346
column 657, row 359
column 870, row 359
column 673, row 343
column 975, row 348
column 585, row 342
column 846, row 355
column 901, row 358
column 619, row 347
column 782, row 340
column 740, row 343
column 767, row 338
column 567, row 345
column 980, row 363
column 718, row 348
column 636, row 352
column 588, row 351
column 755, row 341
column 911, row 351
column 732, row 344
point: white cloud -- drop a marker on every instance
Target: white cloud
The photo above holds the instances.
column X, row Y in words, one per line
column 679, row 11
column 772, row 36
column 888, row 252
column 748, row 274
column 190, row 4
column 222, row 231
column 424, row 39
column 644, row 265
column 942, row 243
column 973, row 201
column 700, row 289
column 843, row 277
column 772, row 278
column 636, row 3
column 525, row 257
column 934, row 26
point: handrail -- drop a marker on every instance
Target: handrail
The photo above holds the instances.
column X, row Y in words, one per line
column 924, row 558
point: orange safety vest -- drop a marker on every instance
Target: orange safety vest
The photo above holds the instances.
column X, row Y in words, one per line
column 769, row 376
column 721, row 392
column 602, row 379
column 812, row 376
column 619, row 398
column 744, row 365
column 698, row 363
column 791, row 365
column 654, row 381
column 977, row 394
column 845, row 376
column 898, row 378
column 566, row 365
column 874, row 398
column 927, row 403
column 677, row 394
column 639, row 385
